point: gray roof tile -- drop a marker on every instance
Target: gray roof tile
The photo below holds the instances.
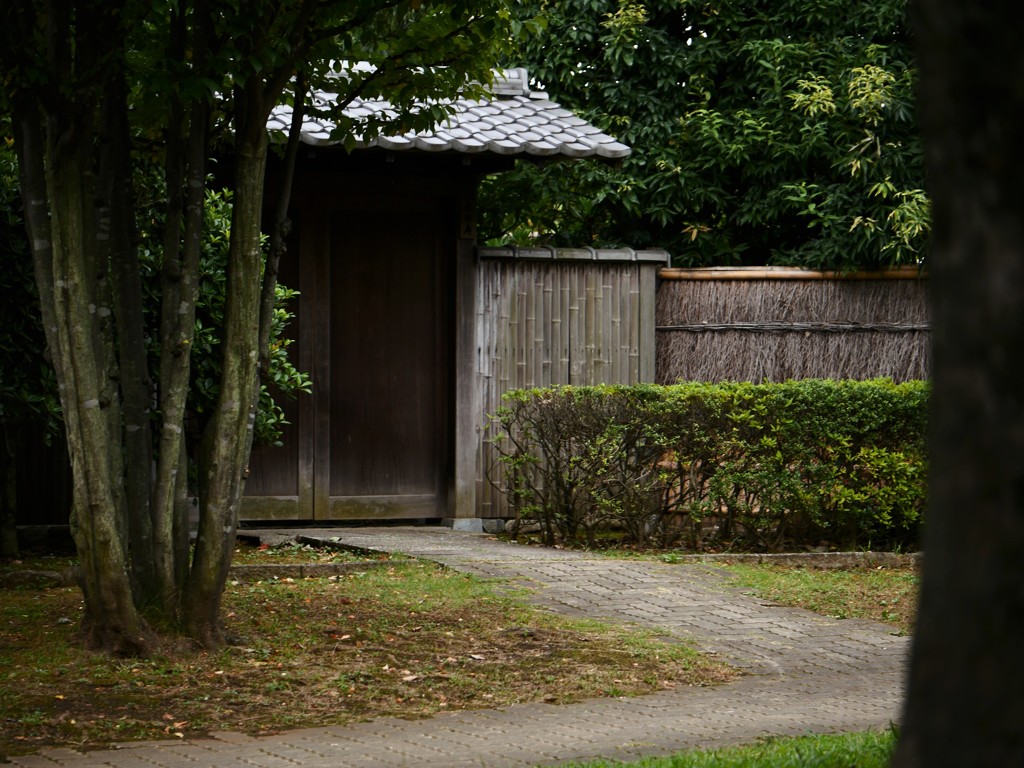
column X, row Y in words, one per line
column 516, row 121
column 470, row 146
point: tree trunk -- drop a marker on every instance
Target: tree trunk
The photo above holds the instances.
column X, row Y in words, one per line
column 57, row 174
column 118, row 217
column 282, row 224
column 228, row 435
column 110, row 622
column 8, row 492
column 185, row 175
column 965, row 703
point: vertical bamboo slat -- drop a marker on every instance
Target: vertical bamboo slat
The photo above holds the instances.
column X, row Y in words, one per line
column 561, row 376
column 551, row 322
column 633, row 308
column 591, row 368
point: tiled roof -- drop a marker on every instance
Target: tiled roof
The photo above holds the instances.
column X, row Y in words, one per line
column 516, row 121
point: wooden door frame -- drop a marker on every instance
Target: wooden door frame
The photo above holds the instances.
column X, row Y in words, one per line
column 437, row 213
column 317, row 193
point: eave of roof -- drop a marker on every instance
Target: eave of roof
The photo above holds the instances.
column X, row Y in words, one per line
column 516, row 122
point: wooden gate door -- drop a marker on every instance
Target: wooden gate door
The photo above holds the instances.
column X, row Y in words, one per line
column 384, row 429
column 374, row 439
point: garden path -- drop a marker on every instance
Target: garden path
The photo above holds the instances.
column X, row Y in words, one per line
column 804, row 673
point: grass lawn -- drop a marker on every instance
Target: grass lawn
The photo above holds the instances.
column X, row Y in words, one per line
column 402, row 638
column 849, row 750
column 407, row 639
column 888, row 595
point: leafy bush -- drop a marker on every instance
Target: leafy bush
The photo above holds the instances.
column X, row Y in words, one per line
column 281, row 379
column 580, row 459
column 763, row 466
column 28, row 386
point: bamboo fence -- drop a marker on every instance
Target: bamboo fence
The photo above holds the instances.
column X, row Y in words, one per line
column 558, row 316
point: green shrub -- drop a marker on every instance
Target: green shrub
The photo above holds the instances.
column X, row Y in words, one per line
column 280, row 380
column 580, row 459
column 763, row 466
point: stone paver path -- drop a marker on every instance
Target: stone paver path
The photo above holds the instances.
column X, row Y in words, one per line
column 804, row 673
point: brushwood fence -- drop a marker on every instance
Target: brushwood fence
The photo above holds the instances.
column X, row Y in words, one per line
column 774, row 324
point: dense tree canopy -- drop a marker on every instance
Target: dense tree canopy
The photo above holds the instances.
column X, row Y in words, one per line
column 774, row 131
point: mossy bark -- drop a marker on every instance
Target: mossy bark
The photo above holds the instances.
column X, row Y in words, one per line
column 111, row 621
column 228, row 436
column 60, row 192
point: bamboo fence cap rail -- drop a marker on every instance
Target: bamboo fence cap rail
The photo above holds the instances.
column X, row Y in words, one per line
column 655, row 255
column 787, row 273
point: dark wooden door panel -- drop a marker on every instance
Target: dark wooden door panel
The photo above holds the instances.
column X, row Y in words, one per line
column 373, row 441
column 273, row 485
column 387, row 401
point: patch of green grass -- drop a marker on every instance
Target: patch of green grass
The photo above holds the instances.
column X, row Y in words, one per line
column 888, row 595
column 869, row 749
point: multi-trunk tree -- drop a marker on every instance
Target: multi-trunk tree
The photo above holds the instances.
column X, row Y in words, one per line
column 89, row 82
column 766, row 132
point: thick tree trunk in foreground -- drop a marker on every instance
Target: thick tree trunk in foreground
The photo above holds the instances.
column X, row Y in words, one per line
column 965, row 702
column 91, row 417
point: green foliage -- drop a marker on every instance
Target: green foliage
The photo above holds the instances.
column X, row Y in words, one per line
column 869, row 749
column 762, row 466
column 581, row 459
column 281, row 379
column 766, row 132
column 28, row 387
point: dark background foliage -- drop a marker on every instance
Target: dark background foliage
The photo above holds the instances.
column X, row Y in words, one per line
column 769, row 132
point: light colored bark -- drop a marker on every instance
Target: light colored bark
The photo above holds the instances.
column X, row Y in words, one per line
column 111, row 621
column 57, row 168
column 185, row 173
column 228, row 436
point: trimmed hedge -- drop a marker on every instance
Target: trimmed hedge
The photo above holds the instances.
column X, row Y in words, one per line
column 750, row 466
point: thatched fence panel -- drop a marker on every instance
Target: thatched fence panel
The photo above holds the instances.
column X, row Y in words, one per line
column 773, row 324
column 558, row 316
